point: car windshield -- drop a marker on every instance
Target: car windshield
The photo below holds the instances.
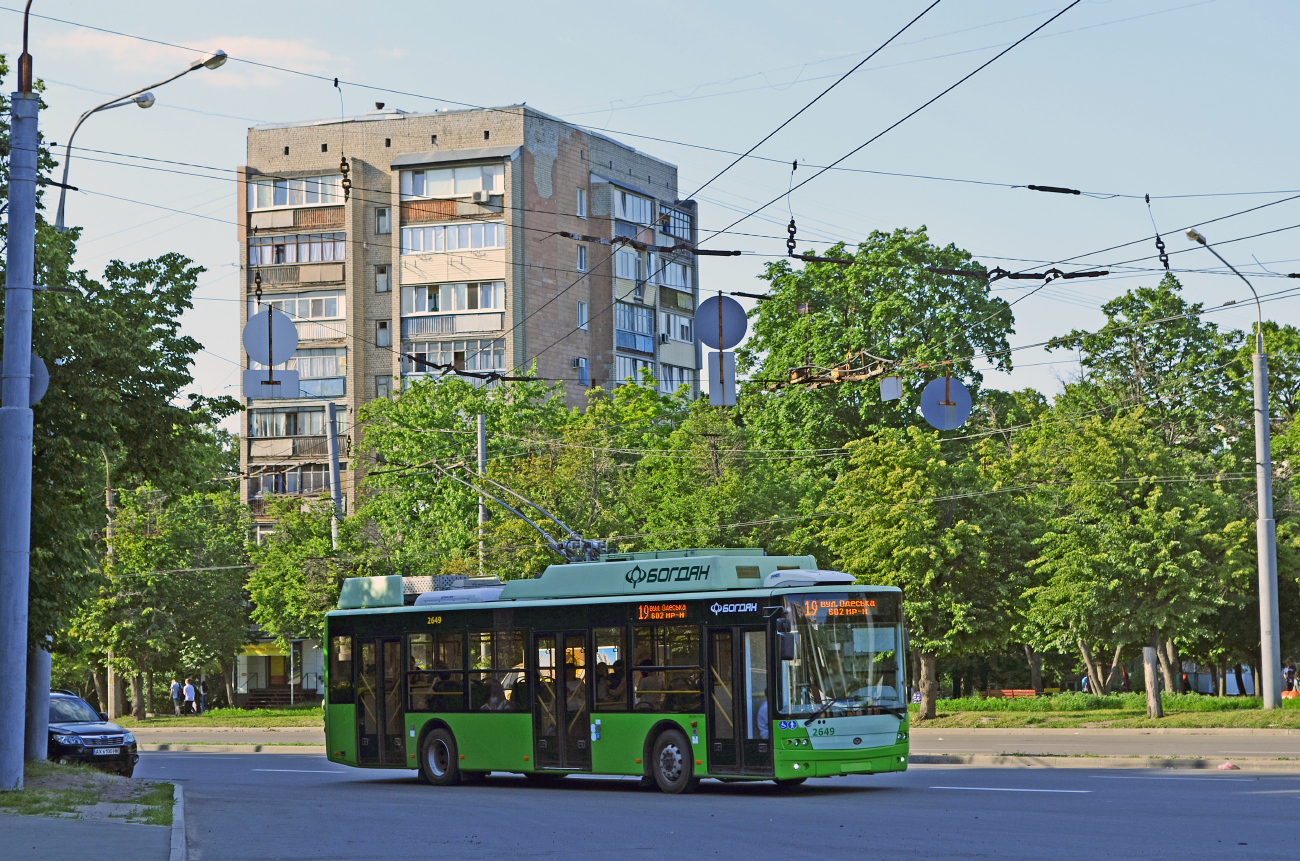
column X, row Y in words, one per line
column 846, row 654
column 71, row 710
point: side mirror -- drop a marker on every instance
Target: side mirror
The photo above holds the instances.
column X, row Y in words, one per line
column 103, row 716
column 784, row 640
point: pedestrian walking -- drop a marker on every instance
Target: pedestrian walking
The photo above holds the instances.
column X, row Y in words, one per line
column 1288, row 674
column 176, row 697
column 189, row 697
column 203, row 697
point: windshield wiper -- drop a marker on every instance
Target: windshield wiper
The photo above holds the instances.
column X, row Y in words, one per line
column 827, row 706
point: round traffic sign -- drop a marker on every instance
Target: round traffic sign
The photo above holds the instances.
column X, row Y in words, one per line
column 270, row 337
column 720, row 312
column 945, row 403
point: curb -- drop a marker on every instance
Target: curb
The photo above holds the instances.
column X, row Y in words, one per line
column 1186, row 764
column 179, row 850
column 234, row 748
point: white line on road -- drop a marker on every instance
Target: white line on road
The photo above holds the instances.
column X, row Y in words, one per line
column 1138, row 777
column 300, row 770
column 1008, row 789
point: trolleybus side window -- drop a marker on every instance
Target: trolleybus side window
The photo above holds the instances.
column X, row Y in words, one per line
column 667, row 674
column 498, row 680
column 610, row 676
column 341, row 690
column 436, row 676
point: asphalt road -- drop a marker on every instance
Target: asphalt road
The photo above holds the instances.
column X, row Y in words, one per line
column 276, row 806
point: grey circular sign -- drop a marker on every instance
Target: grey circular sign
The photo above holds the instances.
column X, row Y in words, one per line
column 945, row 403
column 733, row 322
column 268, row 331
column 40, row 380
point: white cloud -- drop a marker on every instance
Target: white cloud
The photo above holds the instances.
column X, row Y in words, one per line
column 126, row 54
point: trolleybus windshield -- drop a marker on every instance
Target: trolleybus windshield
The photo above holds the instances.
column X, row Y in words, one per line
column 846, row 655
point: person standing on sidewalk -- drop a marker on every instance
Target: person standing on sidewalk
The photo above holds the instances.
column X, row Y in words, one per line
column 189, row 698
column 176, row 697
column 203, row 697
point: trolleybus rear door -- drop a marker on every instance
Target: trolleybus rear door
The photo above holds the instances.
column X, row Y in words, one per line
column 561, row 719
column 739, row 720
column 379, row 704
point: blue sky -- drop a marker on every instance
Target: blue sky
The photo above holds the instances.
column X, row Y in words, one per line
column 1123, row 97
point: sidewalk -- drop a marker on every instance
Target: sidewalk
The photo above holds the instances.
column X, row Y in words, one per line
column 150, row 738
column 39, row 838
column 1225, row 743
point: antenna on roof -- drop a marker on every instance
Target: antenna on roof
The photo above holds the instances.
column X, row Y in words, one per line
column 574, row 549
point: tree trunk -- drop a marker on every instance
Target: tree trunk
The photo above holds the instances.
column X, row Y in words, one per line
column 1241, row 683
column 228, row 671
column 1223, row 678
column 1214, row 678
column 1094, row 677
column 1175, row 664
column 1155, row 709
column 137, row 696
column 1114, row 673
column 101, row 691
column 148, row 693
column 956, row 684
column 1254, row 680
column 929, row 686
column 1035, row 669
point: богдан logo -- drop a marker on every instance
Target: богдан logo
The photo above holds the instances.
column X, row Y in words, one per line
column 667, row 574
column 635, row 576
column 733, row 608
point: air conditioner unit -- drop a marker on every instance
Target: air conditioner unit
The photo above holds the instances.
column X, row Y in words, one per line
column 577, row 363
column 481, row 197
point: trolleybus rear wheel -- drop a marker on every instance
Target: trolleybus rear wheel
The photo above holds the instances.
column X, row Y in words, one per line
column 439, row 762
column 671, row 764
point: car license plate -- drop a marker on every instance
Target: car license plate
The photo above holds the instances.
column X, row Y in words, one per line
column 107, row 751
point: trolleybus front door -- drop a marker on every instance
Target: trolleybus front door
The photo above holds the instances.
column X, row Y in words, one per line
column 739, row 718
column 380, row 714
column 561, row 721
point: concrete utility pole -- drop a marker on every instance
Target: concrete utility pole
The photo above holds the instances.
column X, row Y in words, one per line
column 16, row 424
column 482, row 470
column 336, row 492
column 1269, row 686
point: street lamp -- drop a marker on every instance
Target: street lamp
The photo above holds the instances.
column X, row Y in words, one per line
column 141, row 97
column 1270, row 685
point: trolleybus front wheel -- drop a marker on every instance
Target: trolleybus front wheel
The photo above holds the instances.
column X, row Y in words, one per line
column 671, row 764
column 789, row 782
column 439, row 763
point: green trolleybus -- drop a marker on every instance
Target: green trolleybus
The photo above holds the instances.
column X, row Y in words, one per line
column 672, row 666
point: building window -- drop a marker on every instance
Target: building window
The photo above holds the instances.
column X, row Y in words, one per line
column 302, row 248
column 676, row 326
column 676, row 275
column 293, row 421
column 321, row 371
column 310, row 191
column 383, row 387
column 627, row 264
column 584, row 377
column 382, row 284
column 582, row 258
column 672, row 378
column 383, row 220
column 582, row 315
column 582, row 203
column 453, row 237
column 383, row 335
column 317, row 305
column 675, row 223
column 634, row 327
column 453, row 181
column 633, row 207
column 449, row 298
column 627, row 369
column 422, row 357
column 309, row 478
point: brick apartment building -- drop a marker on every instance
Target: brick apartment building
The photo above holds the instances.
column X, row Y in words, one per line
column 445, row 250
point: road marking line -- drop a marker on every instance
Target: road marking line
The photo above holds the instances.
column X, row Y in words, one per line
column 300, row 770
column 1138, row 777
column 1007, row 789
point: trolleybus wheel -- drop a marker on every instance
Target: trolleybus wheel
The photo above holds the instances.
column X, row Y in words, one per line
column 789, row 782
column 671, row 764
column 439, row 763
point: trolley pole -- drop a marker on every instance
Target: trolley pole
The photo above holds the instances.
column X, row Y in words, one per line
column 16, row 427
column 336, row 492
column 482, row 470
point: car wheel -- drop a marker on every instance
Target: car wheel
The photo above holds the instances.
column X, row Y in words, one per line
column 439, row 762
column 672, row 765
column 127, row 771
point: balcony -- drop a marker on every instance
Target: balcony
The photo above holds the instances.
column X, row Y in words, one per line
column 325, row 330
column 452, row 324
column 634, row 341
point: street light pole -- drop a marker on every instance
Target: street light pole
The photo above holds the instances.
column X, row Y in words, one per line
column 141, row 97
column 16, row 423
column 1270, row 669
